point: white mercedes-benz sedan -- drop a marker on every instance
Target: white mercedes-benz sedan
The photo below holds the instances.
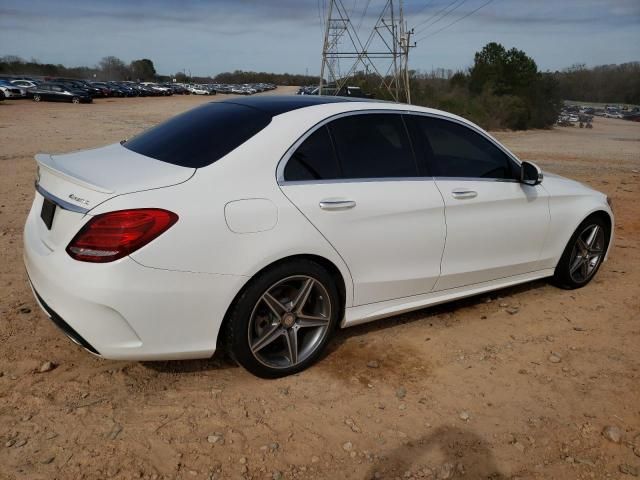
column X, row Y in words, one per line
column 263, row 224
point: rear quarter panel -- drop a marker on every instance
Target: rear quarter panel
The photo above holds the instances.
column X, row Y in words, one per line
column 202, row 241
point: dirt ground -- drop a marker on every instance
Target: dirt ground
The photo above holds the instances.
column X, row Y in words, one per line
column 517, row 384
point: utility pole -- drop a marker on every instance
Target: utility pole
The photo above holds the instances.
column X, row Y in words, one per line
column 405, row 45
column 388, row 41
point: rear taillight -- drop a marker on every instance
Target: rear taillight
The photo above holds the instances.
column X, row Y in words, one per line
column 114, row 235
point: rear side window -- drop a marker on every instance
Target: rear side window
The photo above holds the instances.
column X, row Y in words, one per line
column 453, row 150
column 201, row 136
column 314, row 159
column 373, row 146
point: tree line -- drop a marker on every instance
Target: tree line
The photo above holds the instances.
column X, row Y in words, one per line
column 605, row 83
column 503, row 89
column 109, row 68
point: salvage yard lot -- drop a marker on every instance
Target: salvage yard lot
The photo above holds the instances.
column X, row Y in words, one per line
column 516, row 384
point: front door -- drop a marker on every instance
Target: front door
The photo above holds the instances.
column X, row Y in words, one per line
column 496, row 226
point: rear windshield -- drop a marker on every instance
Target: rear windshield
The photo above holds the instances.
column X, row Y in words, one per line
column 201, row 136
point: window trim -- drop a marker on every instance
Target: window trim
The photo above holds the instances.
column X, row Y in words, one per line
column 292, row 149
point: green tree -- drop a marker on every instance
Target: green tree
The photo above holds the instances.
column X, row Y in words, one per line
column 142, row 70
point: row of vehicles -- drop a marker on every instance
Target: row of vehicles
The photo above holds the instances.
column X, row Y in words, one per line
column 609, row 111
column 84, row 91
column 332, row 90
column 227, row 88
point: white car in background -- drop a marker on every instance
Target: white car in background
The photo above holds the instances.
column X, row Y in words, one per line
column 198, row 90
column 12, row 91
column 262, row 224
column 27, row 85
column 159, row 88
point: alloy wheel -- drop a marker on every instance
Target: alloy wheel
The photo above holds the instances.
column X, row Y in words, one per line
column 587, row 253
column 289, row 321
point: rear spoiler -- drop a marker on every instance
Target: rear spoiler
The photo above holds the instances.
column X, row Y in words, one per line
column 47, row 162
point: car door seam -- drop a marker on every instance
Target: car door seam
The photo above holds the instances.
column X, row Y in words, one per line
column 446, row 232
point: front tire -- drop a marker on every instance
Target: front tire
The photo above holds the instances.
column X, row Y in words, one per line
column 36, row 98
column 283, row 320
column 75, row 100
column 584, row 254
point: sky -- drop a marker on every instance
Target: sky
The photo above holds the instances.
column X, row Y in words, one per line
column 209, row 37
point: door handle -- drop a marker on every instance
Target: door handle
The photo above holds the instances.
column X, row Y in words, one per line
column 463, row 193
column 337, row 204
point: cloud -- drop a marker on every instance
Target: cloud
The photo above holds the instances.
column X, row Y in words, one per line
column 285, row 35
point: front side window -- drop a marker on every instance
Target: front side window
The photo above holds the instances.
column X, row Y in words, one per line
column 373, row 146
column 454, row 150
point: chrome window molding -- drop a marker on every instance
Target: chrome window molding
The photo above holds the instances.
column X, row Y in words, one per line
column 60, row 202
column 291, row 150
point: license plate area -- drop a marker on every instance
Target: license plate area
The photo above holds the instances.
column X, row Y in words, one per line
column 47, row 213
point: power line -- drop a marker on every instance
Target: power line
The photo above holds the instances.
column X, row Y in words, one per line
column 435, row 15
column 442, row 16
column 455, row 21
column 364, row 13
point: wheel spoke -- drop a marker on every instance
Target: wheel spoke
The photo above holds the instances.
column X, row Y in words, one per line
column 585, row 268
column 292, row 345
column 592, row 236
column 266, row 339
column 276, row 307
column 312, row 320
column 303, row 295
column 577, row 262
column 581, row 244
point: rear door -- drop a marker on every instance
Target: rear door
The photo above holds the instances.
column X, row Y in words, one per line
column 496, row 226
column 357, row 180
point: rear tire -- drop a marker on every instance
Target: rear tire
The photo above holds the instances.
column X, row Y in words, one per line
column 284, row 318
column 583, row 255
column 75, row 100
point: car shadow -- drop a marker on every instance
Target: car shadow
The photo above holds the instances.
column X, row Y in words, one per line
column 434, row 315
column 460, row 453
column 219, row 361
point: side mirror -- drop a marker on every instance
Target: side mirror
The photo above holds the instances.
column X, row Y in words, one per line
column 530, row 174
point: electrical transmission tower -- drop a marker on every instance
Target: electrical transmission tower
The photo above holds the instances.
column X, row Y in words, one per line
column 384, row 53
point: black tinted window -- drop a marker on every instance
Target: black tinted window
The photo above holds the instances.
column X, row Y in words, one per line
column 201, row 136
column 373, row 146
column 453, row 150
column 314, row 159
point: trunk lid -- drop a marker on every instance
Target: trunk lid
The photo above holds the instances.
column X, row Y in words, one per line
column 77, row 182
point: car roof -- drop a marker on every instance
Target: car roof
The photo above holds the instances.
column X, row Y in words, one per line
column 277, row 104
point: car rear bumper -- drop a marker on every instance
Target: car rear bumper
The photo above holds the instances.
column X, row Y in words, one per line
column 123, row 310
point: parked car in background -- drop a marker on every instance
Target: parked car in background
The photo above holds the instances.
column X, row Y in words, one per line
column 80, row 85
column 197, row 90
column 28, row 85
column 613, row 114
column 12, row 91
column 158, row 88
column 60, row 92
